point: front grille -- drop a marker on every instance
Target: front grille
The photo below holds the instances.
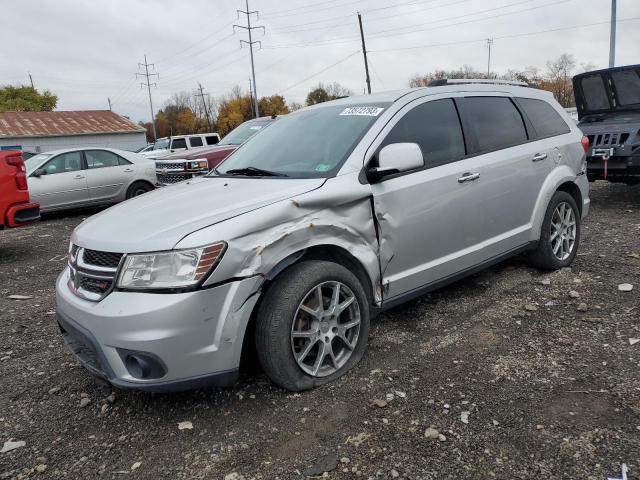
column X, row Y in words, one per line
column 92, row 272
column 102, row 259
column 608, row 139
column 170, row 179
column 170, row 165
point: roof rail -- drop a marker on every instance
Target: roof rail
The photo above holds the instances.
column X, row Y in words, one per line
column 481, row 81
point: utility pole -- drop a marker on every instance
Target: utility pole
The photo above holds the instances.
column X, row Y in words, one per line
column 612, row 38
column 109, row 100
column 148, row 84
column 31, row 80
column 489, row 43
column 364, row 52
column 249, row 30
column 204, row 103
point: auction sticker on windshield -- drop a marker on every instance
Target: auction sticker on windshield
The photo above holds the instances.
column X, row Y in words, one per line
column 364, row 111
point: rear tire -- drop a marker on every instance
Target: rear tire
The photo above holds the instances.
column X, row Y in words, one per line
column 300, row 343
column 138, row 188
column 559, row 235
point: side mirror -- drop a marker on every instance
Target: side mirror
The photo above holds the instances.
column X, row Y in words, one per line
column 396, row 158
column 39, row 172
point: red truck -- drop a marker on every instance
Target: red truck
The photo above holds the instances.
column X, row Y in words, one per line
column 15, row 208
column 178, row 166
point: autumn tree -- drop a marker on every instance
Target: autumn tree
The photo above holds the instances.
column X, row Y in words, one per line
column 26, row 99
column 237, row 108
column 323, row 93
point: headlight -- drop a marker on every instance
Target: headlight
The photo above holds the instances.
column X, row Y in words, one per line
column 175, row 269
column 199, row 163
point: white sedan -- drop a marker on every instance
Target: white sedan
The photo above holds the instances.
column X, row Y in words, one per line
column 79, row 177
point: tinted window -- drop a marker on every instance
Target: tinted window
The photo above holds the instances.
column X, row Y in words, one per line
column 544, row 117
column 101, row 159
column 435, row 127
column 212, row 140
column 195, row 141
column 66, row 162
column 494, row 121
column 627, row 84
column 594, row 92
column 179, row 143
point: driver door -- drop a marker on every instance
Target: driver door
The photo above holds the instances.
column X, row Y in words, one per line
column 63, row 184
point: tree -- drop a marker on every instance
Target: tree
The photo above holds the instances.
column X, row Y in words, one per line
column 26, row 99
column 237, row 108
column 558, row 79
column 324, row 93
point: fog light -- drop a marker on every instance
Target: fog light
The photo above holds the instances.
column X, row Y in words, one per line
column 141, row 365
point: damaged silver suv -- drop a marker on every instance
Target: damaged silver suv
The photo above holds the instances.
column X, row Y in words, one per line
column 330, row 215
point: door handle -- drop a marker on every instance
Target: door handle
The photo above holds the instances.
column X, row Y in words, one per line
column 538, row 157
column 128, row 170
column 468, row 177
column 79, row 177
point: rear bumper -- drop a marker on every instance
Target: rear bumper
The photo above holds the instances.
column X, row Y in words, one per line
column 22, row 214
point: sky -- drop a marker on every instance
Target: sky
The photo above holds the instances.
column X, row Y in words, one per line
column 88, row 51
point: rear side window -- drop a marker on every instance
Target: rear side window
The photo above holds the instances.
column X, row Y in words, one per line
column 435, row 127
column 195, row 141
column 544, row 118
column 212, row 140
column 495, row 122
column 101, row 159
column 122, row 161
column 179, row 143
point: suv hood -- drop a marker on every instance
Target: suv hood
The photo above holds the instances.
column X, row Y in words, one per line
column 610, row 90
column 194, row 153
column 159, row 220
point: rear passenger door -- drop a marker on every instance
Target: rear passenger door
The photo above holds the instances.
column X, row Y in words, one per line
column 510, row 171
column 108, row 175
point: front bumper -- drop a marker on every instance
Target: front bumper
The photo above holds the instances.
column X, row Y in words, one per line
column 617, row 167
column 196, row 337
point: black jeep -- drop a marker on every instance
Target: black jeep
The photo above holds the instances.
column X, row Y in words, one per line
column 608, row 103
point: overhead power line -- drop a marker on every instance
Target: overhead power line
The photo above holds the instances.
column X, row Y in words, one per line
column 344, row 59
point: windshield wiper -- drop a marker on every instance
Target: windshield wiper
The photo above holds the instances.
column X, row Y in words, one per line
column 254, row 172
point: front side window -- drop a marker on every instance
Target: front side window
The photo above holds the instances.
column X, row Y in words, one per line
column 100, row 159
column 495, row 122
column 64, row 163
column 595, row 94
column 544, row 118
column 195, row 142
column 178, row 143
column 435, row 127
column 310, row 143
column 32, row 163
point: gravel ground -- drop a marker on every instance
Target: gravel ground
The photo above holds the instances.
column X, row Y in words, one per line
column 510, row 374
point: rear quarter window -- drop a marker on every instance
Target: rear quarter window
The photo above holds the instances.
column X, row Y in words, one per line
column 494, row 122
column 544, row 118
column 195, row 141
column 212, row 140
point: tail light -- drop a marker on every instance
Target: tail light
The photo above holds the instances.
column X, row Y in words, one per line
column 585, row 143
column 21, row 177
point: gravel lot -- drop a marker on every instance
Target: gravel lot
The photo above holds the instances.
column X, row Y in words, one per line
column 518, row 378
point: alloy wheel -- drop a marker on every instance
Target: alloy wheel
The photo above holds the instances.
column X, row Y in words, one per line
column 563, row 231
column 325, row 329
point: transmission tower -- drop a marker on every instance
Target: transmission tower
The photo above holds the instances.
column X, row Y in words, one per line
column 249, row 30
column 148, row 84
column 204, row 103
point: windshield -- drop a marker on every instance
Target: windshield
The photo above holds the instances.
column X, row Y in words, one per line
column 308, row 143
column 244, row 132
column 32, row 163
column 161, row 144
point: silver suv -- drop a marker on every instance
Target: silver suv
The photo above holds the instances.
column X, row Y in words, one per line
column 333, row 214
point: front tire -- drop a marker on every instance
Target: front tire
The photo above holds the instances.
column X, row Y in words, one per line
column 312, row 326
column 560, row 234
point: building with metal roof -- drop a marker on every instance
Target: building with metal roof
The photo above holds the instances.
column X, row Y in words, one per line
column 44, row 131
